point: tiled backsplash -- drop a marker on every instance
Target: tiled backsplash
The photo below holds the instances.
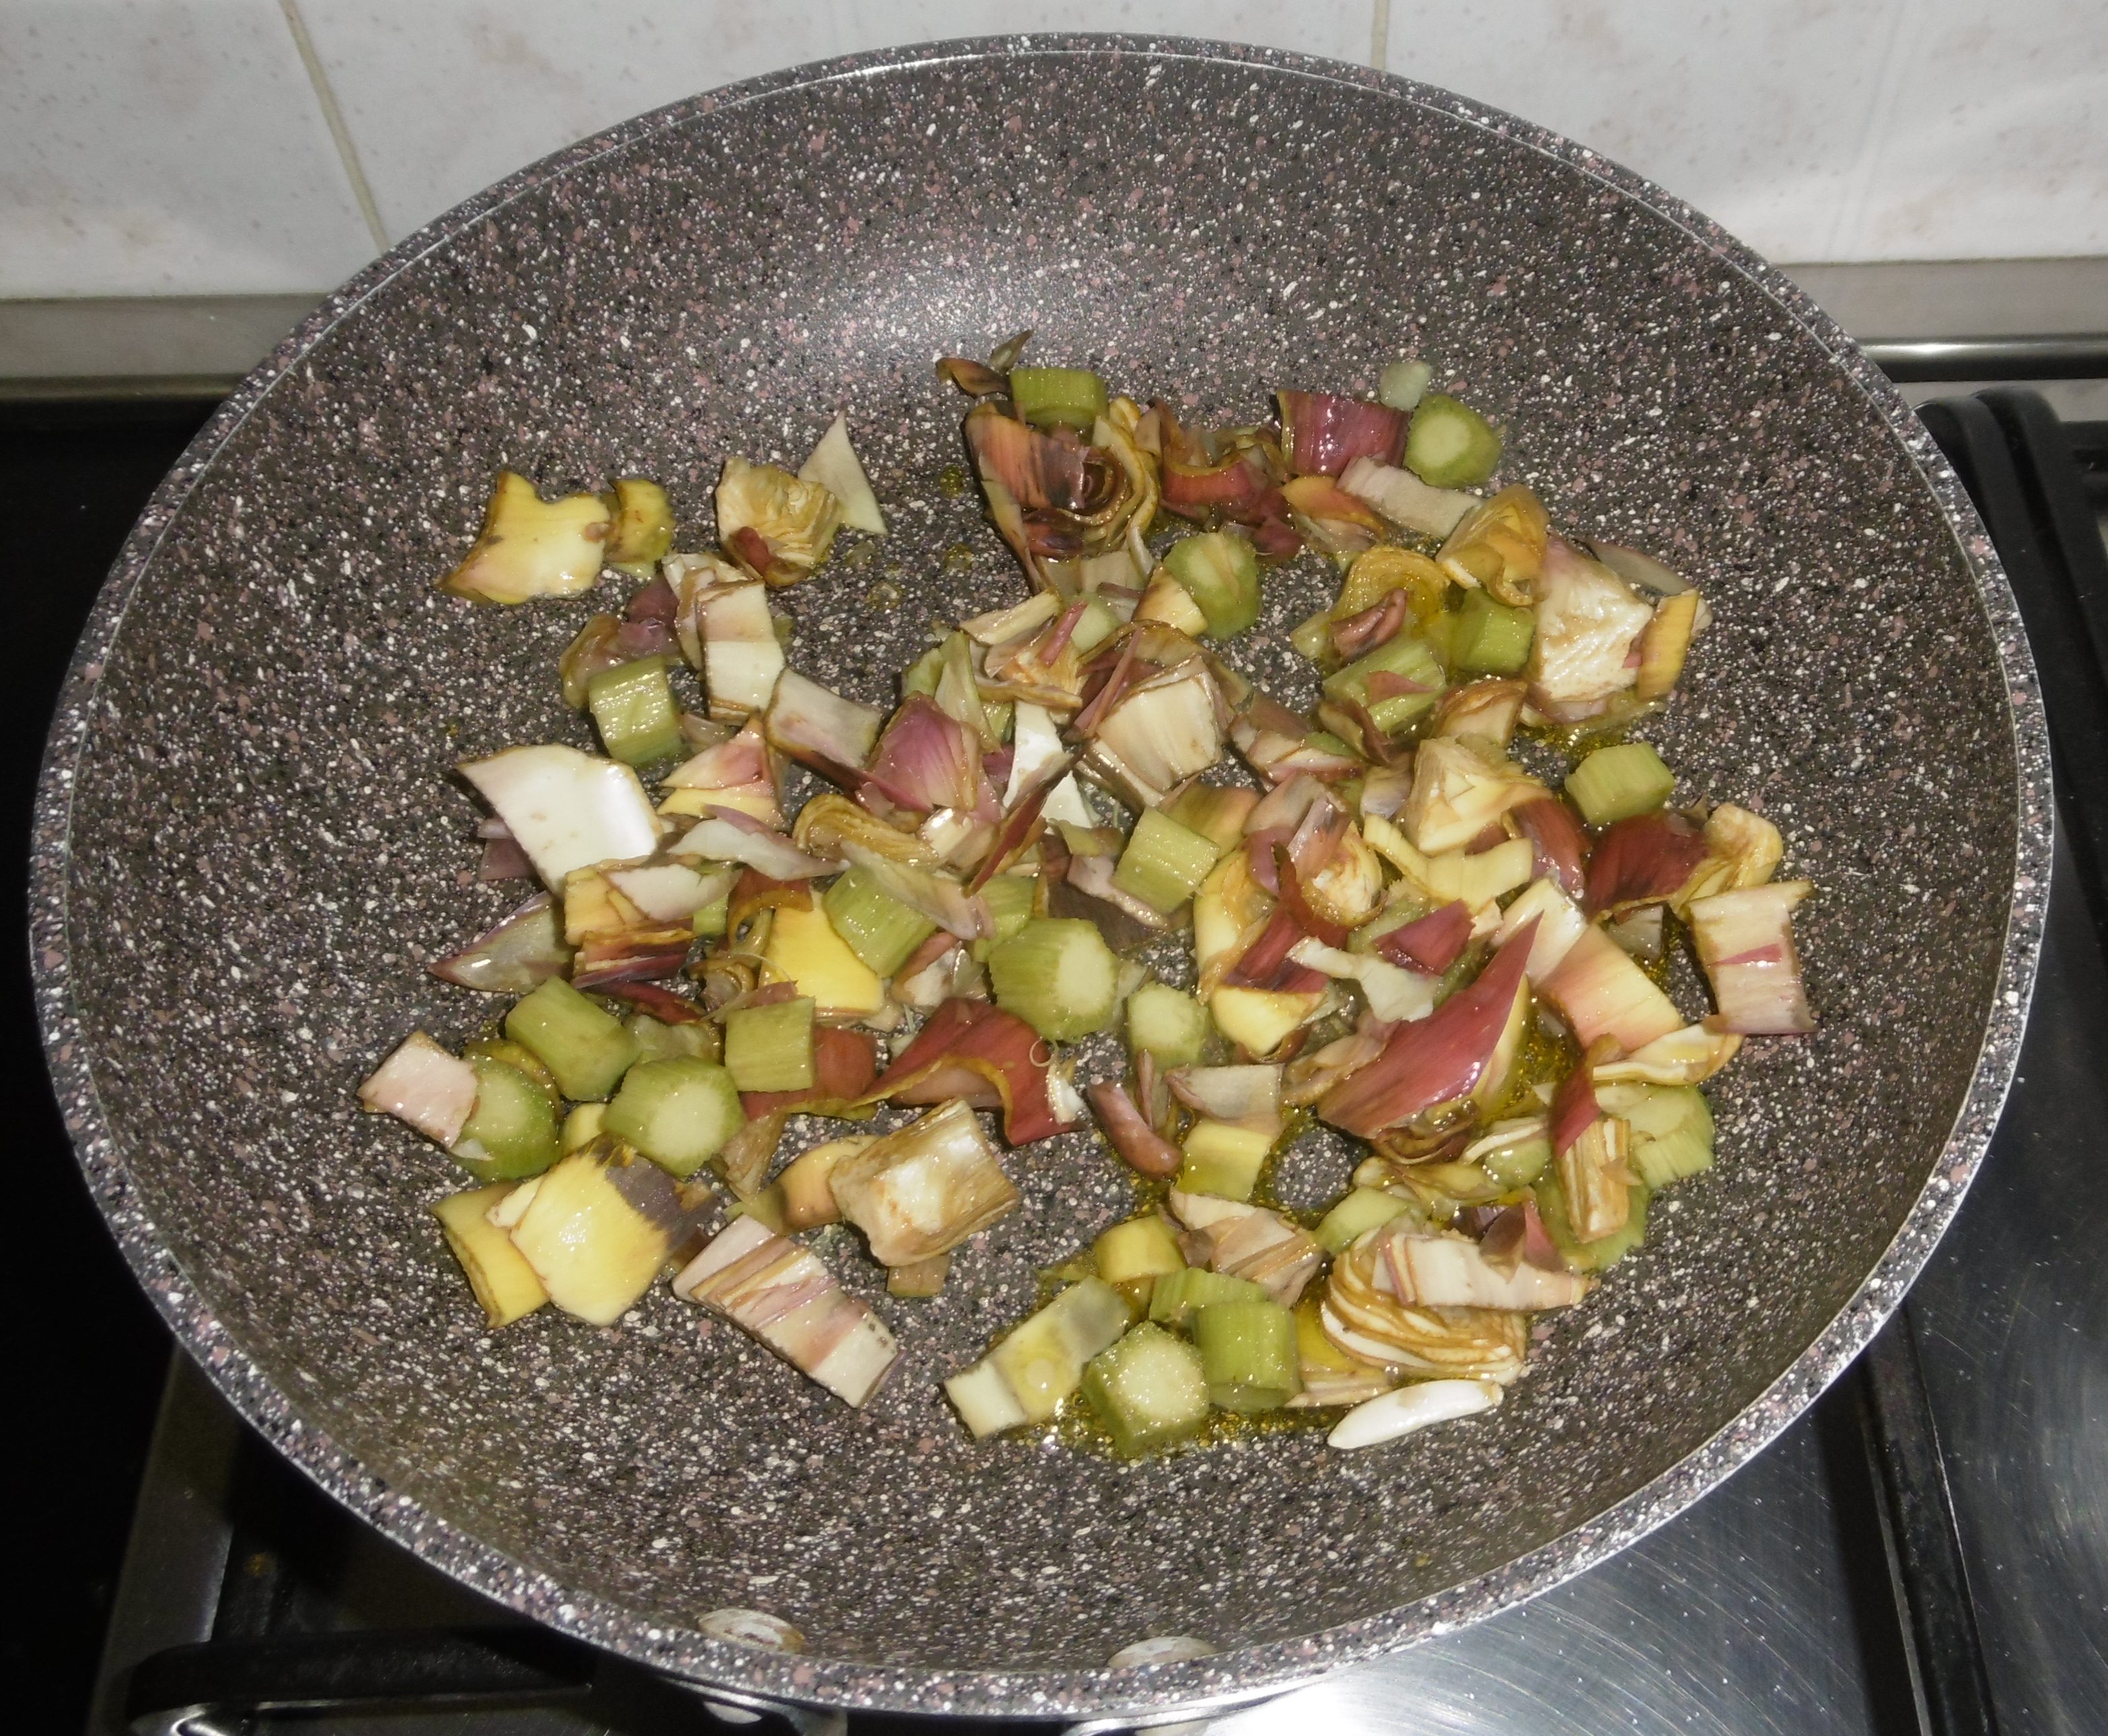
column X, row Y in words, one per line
column 254, row 147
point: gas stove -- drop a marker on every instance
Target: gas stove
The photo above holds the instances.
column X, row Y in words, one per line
column 1927, row 1550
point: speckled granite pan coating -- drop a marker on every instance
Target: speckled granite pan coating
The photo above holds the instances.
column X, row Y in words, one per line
column 248, row 845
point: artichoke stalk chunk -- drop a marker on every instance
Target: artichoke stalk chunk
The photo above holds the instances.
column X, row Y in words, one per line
column 633, row 707
column 1619, row 782
column 1057, row 974
column 584, row 1047
column 1248, row 1353
column 679, row 1111
column 1451, row 445
column 1404, row 383
column 513, row 1131
column 1166, row 1022
column 1150, row 1389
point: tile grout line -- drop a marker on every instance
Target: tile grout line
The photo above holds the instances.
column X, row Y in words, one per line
column 1380, row 35
column 333, row 119
column 1849, row 223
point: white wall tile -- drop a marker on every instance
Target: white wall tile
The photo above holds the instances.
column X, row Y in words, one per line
column 1756, row 111
column 165, row 148
column 176, row 146
column 1996, row 139
column 443, row 97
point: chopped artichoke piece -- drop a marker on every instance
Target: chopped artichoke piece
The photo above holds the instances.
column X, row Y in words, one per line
column 1404, row 500
column 1461, row 786
column 1166, row 600
column 1682, row 1057
column 498, row 1272
column 806, row 950
column 1042, row 1360
column 643, row 526
column 925, row 1277
column 1588, row 618
column 1742, row 849
column 531, row 548
column 1162, row 732
column 596, row 1233
column 1452, row 874
column 834, row 465
column 1249, row 1242
column 922, row 1191
column 423, row 1084
column 1439, row 1268
column 806, row 1183
column 1599, row 992
column 782, row 1294
column 1486, row 710
column 1500, row 545
column 1667, row 642
column 1364, row 1318
column 776, row 527
column 566, row 809
column 1605, row 1251
column 1259, row 1021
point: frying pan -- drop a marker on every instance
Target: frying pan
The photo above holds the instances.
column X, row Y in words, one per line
column 248, row 843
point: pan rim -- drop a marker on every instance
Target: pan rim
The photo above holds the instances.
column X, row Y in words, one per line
column 1226, row 1679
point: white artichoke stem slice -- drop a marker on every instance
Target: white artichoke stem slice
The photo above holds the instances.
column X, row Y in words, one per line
column 423, row 1085
column 741, row 655
column 567, row 809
